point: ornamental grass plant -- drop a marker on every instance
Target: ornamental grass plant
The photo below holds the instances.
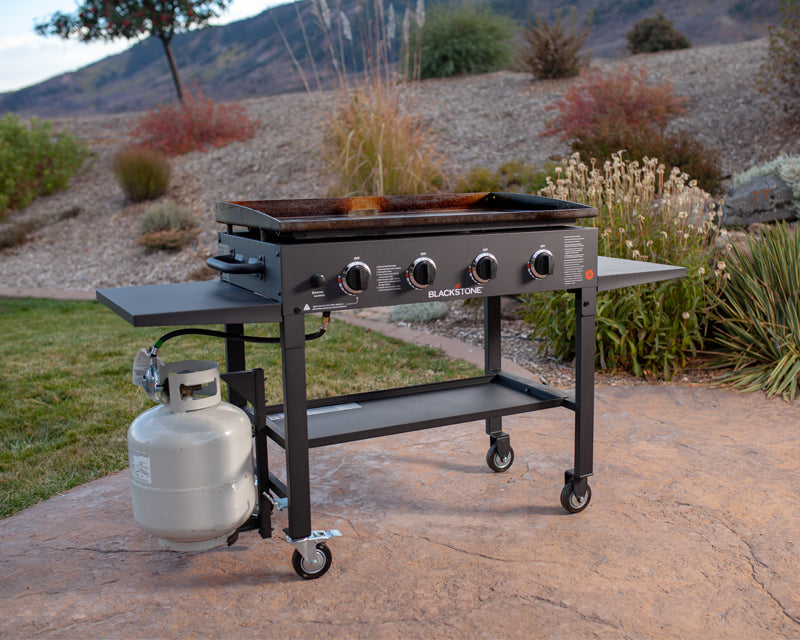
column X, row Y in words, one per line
column 757, row 328
column 375, row 141
column 643, row 214
column 143, row 174
column 552, row 49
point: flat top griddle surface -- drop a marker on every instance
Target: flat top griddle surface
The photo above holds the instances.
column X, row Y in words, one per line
column 387, row 212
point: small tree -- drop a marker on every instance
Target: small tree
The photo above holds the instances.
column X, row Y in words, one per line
column 133, row 19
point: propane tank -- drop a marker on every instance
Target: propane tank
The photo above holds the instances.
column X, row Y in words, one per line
column 191, row 464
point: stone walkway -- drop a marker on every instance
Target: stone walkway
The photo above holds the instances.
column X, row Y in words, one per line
column 693, row 532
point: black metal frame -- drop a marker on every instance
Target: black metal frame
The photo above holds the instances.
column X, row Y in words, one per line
column 296, row 435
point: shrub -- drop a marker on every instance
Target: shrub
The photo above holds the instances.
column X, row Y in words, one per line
column 655, row 34
column 142, row 173
column 606, row 113
column 35, row 161
column 780, row 72
column 675, row 150
column 550, row 50
column 619, row 103
column 514, row 176
column 195, row 124
column 375, row 146
column 168, row 226
column 758, row 319
column 461, row 40
column 648, row 329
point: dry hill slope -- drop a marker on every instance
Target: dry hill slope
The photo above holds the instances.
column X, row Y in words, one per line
column 479, row 121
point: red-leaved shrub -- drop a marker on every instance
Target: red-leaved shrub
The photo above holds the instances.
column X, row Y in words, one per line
column 613, row 104
column 606, row 113
column 196, row 123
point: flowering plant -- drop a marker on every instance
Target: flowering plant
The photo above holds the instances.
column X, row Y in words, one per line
column 648, row 329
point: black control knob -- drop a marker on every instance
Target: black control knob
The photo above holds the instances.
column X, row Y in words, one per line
column 421, row 273
column 541, row 264
column 355, row 278
column 318, row 280
column 483, row 268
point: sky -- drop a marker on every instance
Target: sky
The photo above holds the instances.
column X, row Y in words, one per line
column 27, row 58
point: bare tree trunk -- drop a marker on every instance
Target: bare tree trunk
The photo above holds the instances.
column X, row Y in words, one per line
column 172, row 66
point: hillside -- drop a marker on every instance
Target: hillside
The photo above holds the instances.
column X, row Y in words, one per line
column 478, row 121
column 248, row 58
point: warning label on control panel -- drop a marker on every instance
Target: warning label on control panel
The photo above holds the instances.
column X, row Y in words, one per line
column 574, row 260
column 388, row 277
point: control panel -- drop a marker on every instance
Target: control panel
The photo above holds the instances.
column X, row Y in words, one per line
column 368, row 272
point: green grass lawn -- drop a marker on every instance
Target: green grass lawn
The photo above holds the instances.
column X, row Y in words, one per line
column 66, row 397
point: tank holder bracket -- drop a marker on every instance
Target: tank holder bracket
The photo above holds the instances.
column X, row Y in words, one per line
column 279, row 503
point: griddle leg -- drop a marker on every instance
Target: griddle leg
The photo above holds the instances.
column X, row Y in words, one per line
column 234, row 361
column 578, row 477
column 296, row 421
column 500, row 455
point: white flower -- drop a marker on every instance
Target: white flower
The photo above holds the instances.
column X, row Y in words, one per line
column 701, row 271
column 346, row 32
column 721, row 265
column 326, row 13
column 629, row 244
column 391, row 24
column 685, row 315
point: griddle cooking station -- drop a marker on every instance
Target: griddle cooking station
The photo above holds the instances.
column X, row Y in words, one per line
column 282, row 259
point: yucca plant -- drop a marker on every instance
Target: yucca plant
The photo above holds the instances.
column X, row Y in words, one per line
column 758, row 326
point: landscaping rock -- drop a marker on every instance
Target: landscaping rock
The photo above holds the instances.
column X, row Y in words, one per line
column 766, row 198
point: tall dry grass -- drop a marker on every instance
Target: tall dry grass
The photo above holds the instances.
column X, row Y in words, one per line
column 375, row 141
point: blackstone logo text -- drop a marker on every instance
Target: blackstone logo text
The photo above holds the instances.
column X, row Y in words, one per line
column 461, row 291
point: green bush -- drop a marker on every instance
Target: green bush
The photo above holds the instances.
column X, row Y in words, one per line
column 35, row 161
column 780, row 72
column 514, row 176
column 648, row 329
column 620, row 110
column 168, row 226
column 655, row 34
column 462, row 39
column 551, row 50
column 142, row 173
column 757, row 330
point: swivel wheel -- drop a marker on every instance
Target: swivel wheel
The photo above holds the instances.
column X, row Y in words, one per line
column 571, row 502
column 498, row 463
column 317, row 567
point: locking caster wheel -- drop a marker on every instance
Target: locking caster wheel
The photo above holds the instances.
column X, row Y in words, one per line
column 497, row 463
column 317, row 567
column 572, row 502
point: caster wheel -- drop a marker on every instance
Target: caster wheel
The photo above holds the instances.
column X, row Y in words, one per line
column 315, row 569
column 497, row 463
column 571, row 502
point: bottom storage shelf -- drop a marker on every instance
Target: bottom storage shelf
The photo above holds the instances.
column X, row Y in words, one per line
column 379, row 413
